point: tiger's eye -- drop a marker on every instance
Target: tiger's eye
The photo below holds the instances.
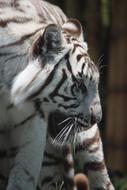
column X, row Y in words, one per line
column 80, row 85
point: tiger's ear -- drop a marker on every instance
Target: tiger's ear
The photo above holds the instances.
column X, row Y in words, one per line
column 50, row 41
column 74, row 27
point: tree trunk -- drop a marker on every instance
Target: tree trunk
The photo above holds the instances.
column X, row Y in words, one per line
column 72, row 8
column 116, row 131
column 92, row 26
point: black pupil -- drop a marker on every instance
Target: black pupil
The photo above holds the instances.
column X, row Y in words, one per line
column 81, row 86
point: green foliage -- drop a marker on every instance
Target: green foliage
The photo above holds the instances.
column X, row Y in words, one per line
column 120, row 183
column 105, row 12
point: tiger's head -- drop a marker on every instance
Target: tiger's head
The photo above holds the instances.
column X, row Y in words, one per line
column 61, row 76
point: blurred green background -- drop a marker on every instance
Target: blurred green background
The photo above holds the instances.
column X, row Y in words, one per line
column 105, row 30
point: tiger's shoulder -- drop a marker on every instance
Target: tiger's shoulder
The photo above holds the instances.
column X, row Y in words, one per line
column 20, row 22
column 21, row 19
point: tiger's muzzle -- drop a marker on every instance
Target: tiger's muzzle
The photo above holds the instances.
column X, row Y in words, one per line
column 62, row 126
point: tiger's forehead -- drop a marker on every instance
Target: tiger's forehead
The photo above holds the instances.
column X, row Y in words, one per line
column 80, row 59
column 71, row 40
column 76, row 46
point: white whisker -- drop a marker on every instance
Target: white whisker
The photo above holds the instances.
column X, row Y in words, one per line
column 64, row 121
column 67, row 129
column 63, row 130
column 63, row 133
column 100, row 60
column 75, row 136
column 65, row 138
column 59, row 134
column 74, row 142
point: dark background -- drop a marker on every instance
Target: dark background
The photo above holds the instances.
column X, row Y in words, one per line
column 105, row 30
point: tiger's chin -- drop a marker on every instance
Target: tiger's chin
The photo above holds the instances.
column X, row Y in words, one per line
column 63, row 129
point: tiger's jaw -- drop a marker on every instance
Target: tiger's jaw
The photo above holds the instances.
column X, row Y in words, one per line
column 63, row 128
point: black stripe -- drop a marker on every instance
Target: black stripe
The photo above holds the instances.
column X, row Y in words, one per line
column 80, row 124
column 75, row 46
column 48, row 163
column 69, row 67
column 51, row 156
column 30, row 178
column 68, row 166
column 69, row 183
column 53, row 160
column 33, row 79
column 70, row 70
column 74, row 89
column 25, row 120
column 107, row 187
column 66, row 98
column 3, row 23
column 94, row 166
column 3, row 132
column 83, row 65
column 68, row 106
column 3, row 154
column 55, row 91
column 45, row 100
column 47, row 82
column 11, row 56
column 38, row 188
column 87, row 143
column 93, row 150
column 10, row 153
column 10, row 106
column 21, row 40
column 68, row 64
column 46, row 180
column 6, row 53
column 37, row 104
column 79, row 56
column 3, row 178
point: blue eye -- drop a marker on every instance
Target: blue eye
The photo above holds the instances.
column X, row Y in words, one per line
column 74, row 89
column 80, row 85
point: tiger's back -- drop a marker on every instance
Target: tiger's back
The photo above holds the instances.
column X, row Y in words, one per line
column 20, row 22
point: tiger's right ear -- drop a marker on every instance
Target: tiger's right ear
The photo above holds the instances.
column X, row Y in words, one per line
column 50, row 41
column 74, row 28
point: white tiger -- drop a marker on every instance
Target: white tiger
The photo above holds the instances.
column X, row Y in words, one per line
column 46, row 73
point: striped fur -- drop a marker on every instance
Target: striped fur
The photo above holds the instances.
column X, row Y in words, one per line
column 58, row 165
column 46, row 75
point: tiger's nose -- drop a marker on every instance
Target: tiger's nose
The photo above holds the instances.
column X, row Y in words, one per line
column 95, row 114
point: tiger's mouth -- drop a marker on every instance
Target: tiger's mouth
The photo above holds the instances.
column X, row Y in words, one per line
column 63, row 128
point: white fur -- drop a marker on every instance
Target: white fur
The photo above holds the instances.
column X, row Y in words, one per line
column 85, row 46
column 88, row 134
column 31, row 138
column 22, row 86
column 26, row 6
column 24, row 29
column 69, row 158
column 70, row 26
column 22, row 81
column 71, row 173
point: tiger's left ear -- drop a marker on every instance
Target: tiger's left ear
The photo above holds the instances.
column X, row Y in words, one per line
column 49, row 42
column 74, row 27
